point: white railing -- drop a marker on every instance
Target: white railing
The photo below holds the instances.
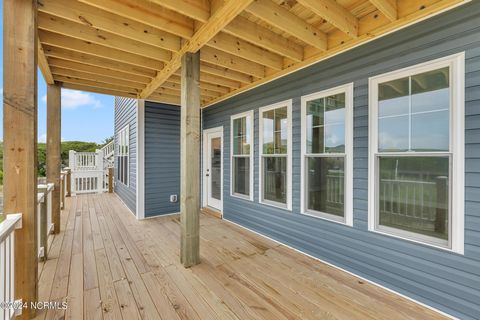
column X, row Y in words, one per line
column 44, row 217
column 7, row 263
column 85, row 161
column 88, row 182
column 108, row 149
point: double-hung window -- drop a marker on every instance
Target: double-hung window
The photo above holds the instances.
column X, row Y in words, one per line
column 416, row 164
column 123, row 151
column 327, row 154
column 242, row 155
column 275, row 150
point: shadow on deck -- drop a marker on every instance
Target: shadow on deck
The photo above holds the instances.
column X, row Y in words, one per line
column 106, row 264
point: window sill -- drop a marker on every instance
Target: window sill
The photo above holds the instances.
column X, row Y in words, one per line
column 242, row 197
column 277, row 205
column 326, row 217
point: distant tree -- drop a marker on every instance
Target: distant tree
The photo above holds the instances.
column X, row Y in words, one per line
column 107, row 140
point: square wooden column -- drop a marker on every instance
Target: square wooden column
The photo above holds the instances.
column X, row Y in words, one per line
column 54, row 160
column 20, row 139
column 190, row 160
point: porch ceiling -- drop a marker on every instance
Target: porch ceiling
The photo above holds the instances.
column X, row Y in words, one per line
column 133, row 48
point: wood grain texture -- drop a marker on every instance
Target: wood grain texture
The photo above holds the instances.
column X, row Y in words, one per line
column 54, row 161
column 242, row 275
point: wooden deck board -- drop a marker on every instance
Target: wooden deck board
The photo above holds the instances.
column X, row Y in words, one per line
column 108, row 265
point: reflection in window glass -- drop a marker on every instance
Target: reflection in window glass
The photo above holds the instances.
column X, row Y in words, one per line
column 275, row 179
column 241, row 135
column 242, row 130
column 241, row 175
column 326, row 185
column 275, row 131
column 122, row 155
column 413, row 194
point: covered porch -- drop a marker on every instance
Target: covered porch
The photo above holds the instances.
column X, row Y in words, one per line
column 106, row 264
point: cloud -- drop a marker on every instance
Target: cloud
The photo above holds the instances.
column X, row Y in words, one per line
column 73, row 99
column 42, row 138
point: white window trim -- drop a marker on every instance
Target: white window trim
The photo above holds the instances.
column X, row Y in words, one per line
column 348, row 90
column 456, row 63
column 288, row 104
column 126, row 129
column 251, row 141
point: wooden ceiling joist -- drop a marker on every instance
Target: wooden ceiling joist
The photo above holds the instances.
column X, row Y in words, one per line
column 334, row 13
column 232, row 62
column 98, row 90
column 84, row 58
column 387, row 7
column 198, row 10
column 96, row 70
column 109, row 22
column 218, row 20
column 96, row 84
column 225, row 73
column 43, row 63
column 287, row 21
column 87, row 33
column 61, row 41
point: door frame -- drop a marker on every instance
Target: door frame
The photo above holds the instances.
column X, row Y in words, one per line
column 205, row 150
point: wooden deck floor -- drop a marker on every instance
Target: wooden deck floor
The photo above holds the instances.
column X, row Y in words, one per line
column 106, row 264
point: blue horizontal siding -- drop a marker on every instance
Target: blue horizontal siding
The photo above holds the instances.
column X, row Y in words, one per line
column 442, row 279
column 162, row 158
column 126, row 114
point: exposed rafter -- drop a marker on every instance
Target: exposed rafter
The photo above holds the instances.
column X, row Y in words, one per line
column 334, row 13
column 205, row 33
column 43, row 64
column 387, row 7
column 285, row 20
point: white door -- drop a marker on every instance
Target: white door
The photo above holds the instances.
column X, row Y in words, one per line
column 213, row 168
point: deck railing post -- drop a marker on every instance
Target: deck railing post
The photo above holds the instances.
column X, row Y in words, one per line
column 110, row 180
column 69, row 182
column 43, row 189
column 20, row 140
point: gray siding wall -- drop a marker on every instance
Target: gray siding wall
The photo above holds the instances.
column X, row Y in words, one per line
column 162, row 158
column 444, row 280
column 126, row 114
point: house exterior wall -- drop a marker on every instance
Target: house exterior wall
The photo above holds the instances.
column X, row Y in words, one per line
column 444, row 280
column 162, row 158
column 126, row 114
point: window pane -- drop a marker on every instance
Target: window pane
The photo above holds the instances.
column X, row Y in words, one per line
column 431, row 137
column 430, row 91
column 393, row 97
column 241, row 175
column 275, row 131
column 268, row 119
column 275, row 179
column 125, row 170
column 241, row 135
column 393, row 133
column 413, row 194
column 326, row 185
column 326, row 124
column 216, row 168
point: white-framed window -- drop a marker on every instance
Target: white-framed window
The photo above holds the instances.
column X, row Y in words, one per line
column 275, row 154
column 123, row 155
column 241, row 155
column 327, row 154
column 416, row 153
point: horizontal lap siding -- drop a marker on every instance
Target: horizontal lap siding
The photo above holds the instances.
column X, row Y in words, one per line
column 126, row 113
column 444, row 280
column 162, row 158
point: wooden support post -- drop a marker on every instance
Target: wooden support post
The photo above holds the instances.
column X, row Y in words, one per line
column 42, row 189
column 20, row 139
column 63, row 188
column 54, row 160
column 190, row 160
column 110, row 180
column 69, row 182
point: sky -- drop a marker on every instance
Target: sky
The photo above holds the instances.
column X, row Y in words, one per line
column 85, row 116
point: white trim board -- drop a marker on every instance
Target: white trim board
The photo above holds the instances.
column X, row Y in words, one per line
column 204, row 151
column 140, row 159
column 347, row 271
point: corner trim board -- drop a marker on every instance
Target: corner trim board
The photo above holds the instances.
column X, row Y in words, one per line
column 140, row 160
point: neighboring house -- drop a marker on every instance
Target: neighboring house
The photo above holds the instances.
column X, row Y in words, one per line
column 368, row 160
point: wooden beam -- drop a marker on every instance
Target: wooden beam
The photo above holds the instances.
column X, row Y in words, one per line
column 84, row 58
column 20, row 141
column 225, row 73
column 246, row 50
column 69, row 43
column 148, row 13
column 110, row 92
column 249, row 31
column 218, row 20
column 54, row 160
column 387, row 7
column 106, row 21
column 96, row 70
column 190, row 154
column 174, row 89
column 216, row 80
column 95, row 84
column 96, row 77
column 43, row 64
column 205, row 85
column 162, row 98
column 288, row 22
column 334, row 13
column 198, row 10
column 232, row 62
column 87, row 33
